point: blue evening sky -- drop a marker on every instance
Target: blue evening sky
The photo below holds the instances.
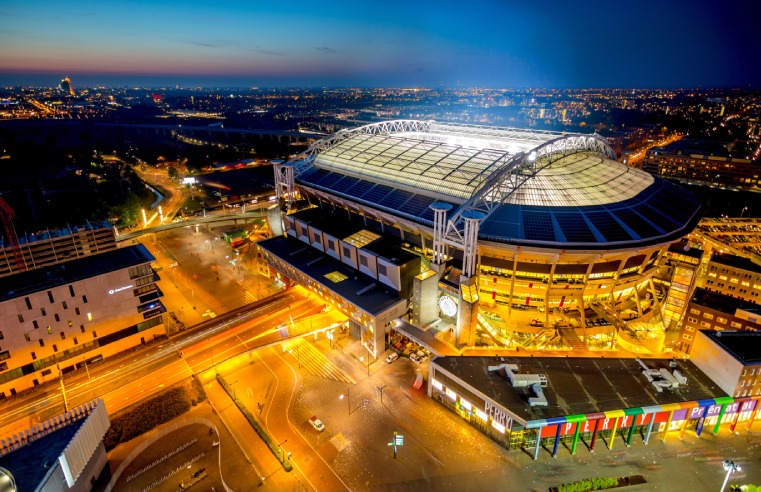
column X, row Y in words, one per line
column 646, row 43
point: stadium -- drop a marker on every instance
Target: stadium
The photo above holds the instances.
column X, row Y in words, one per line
column 490, row 236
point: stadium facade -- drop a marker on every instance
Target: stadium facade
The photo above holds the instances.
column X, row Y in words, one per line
column 498, row 236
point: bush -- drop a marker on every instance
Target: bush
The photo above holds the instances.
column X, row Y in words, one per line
column 257, row 428
column 588, row 484
column 139, row 418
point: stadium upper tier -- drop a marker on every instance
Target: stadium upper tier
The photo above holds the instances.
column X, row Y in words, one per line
column 535, row 187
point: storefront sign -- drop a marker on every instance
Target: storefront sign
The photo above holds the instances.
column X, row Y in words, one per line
column 498, row 415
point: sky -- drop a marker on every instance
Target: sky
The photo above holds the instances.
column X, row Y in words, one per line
column 389, row 43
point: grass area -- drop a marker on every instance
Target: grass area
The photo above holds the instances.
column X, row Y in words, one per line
column 141, row 417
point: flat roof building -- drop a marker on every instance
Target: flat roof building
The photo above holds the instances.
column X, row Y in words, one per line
column 66, row 315
column 534, row 402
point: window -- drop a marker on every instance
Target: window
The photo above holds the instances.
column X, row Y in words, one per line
column 692, row 320
column 65, row 306
column 735, row 324
column 50, row 296
column 89, row 316
column 94, row 334
column 71, row 290
column 1, row 335
column 76, row 311
column 20, row 318
column 42, row 342
column 82, row 328
column 75, row 341
column 27, row 337
column 722, row 320
column 50, row 330
column 382, row 270
column 34, row 323
column 84, row 299
column 34, row 356
column 687, row 337
column 57, row 318
column 44, row 313
column 70, row 323
column 55, row 348
column 694, row 311
column 63, row 336
column 363, row 261
column 28, row 303
column 708, row 315
column 705, row 324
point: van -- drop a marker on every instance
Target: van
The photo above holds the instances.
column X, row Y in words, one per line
column 392, row 357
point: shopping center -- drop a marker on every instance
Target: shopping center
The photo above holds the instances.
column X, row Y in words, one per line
column 562, row 404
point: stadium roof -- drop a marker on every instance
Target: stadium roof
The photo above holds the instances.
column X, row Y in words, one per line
column 537, row 187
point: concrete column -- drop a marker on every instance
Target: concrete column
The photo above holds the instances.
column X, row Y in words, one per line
column 718, row 419
column 538, row 443
column 594, row 435
column 557, row 442
column 440, row 210
column 649, row 428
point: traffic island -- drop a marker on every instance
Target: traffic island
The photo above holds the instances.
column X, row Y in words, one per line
column 276, row 451
column 599, row 484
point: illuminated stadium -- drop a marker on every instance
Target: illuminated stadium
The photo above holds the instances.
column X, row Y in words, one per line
column 493, row 236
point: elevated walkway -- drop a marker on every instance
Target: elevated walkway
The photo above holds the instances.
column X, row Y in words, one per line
column 426, row 339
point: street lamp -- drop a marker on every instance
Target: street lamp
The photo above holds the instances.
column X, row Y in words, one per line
column 743, row 211
column 731, row 467
column 348, row 397
column 282, row 458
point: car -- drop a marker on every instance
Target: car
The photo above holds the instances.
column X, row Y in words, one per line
column 319, row 426
column 392, row 357
column 536, row 322
column 414, row 357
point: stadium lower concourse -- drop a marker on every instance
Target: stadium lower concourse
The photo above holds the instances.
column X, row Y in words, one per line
column 481, row 236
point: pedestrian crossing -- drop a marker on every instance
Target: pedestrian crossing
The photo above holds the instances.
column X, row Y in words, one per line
column 315, row 361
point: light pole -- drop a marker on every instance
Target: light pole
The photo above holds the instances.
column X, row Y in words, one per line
column 280, row 446
column 731, row 467
column 743, row 211
column 348, row 398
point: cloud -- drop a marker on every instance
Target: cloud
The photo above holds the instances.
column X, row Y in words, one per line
column 270, row 52
column 325, row 49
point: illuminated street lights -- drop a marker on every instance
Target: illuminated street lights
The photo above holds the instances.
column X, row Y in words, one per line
column 280, row 446
column 745, row 209
column 731, row 467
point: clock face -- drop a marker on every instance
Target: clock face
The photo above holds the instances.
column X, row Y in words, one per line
column 447, row 305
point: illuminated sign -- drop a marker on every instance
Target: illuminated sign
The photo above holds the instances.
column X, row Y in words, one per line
column 437, row 385
column 481, row 415
column 497, row 414
column 466, row 404
column 114, row 291
column 498, row 426
column 451, row 394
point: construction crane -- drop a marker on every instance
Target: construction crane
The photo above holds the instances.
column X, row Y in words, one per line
column 6, row 215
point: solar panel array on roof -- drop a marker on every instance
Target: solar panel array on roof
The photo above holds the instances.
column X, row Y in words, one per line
column 608, row 227
column 400, row 201
column 575, row 228
column 636, row 223
column 537, row 226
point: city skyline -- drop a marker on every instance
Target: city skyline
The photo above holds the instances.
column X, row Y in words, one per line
column 339, row 45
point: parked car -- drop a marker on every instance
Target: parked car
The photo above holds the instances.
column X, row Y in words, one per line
column 414, row 357
column 536, row 322
column 392, row 357
column 319, row 427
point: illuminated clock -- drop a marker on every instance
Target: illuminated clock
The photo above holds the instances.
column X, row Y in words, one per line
column 448, row 306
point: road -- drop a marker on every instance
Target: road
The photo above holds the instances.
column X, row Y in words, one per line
column 128, row 378
column 311, row 469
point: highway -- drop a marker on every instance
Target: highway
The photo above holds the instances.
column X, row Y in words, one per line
column 125, row 379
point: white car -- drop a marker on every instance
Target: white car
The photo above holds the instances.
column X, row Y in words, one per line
column 319, row 427
column 414, row 357
column 392, row 357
